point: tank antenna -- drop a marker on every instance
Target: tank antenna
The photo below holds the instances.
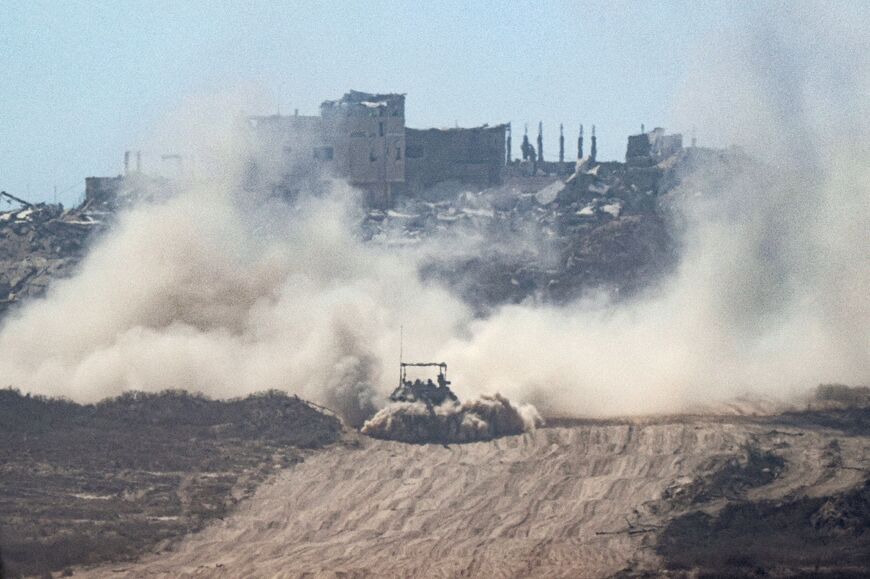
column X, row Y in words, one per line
column 401, row 344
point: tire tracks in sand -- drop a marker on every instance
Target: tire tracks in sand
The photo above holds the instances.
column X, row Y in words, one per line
column 558, row 502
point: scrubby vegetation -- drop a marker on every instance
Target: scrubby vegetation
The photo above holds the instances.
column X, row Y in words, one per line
column 812, row 537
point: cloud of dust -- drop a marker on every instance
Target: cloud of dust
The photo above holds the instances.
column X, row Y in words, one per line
column 482, row 418
column 217, row 292
column 225, row 295
column 771, row 295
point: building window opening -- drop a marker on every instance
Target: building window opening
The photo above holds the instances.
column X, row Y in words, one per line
column 372, row 157
column 398, row 153
column 381, row 129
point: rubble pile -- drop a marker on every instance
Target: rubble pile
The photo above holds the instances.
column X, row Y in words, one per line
column 39, row 242
column 544, row 237
column 474, row 420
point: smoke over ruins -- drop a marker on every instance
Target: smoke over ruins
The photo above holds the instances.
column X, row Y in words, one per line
column 223, row 292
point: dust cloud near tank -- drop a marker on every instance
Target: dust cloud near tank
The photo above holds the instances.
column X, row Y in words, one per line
column 483, row 418
column 424, row 412
column 763, row 294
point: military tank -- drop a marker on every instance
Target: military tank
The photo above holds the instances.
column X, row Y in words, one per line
column 430, row 393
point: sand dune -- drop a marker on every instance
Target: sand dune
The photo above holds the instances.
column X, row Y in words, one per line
column 580, row 501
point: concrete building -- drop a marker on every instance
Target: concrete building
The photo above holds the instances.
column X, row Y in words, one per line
column 367, row 136
column 475, row 156
column 288, row 153
column 362, row 138
column 131, row 187
column 650, row 148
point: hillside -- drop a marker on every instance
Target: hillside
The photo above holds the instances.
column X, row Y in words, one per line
column 583, row 499
column 84, row 484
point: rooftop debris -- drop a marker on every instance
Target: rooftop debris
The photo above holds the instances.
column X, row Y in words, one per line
column 37, row 244
column 542, row 238
column 16, row 199
column 545, row 238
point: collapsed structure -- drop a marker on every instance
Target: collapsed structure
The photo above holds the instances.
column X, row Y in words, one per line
column 114, row 193
column 362, row 138
column 39, row 242
column 647, row 149
column 554, row 226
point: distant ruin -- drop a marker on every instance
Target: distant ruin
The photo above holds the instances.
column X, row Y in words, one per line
column 647, row 149
column 362, row 138
column 587, row 224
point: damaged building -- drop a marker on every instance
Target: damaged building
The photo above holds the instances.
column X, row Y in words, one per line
column 475, row 156
column 585, row 224
column 39, row 242
column 112, row 193
column 362, row 138
column 650, row 148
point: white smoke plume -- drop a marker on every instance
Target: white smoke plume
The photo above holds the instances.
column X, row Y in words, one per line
column 226, row 295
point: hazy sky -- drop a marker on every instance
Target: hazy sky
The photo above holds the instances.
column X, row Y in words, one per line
column 83, row 81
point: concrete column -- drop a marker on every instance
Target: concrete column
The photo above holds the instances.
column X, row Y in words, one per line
column 509, row 152
column 594, row 152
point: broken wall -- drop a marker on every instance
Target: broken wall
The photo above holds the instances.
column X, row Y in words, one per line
column 652, row 147
column 368, row 133
column 110, row 193
column 474, row 156
column 102, row 189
